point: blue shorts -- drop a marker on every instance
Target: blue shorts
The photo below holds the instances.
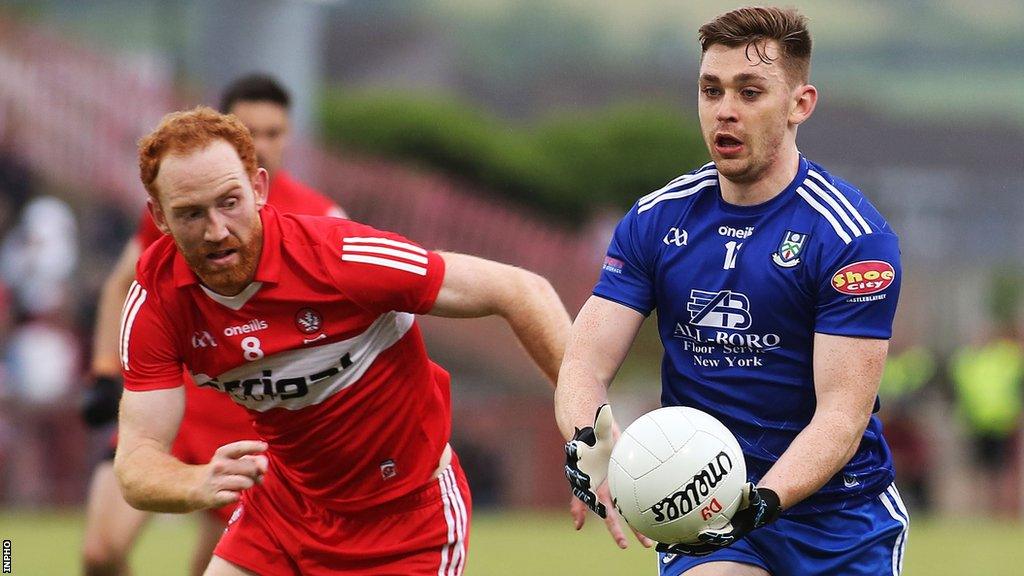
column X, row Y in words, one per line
column 867, row 540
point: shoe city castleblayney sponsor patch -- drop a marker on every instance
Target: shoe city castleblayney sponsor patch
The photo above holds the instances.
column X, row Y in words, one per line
column 790, row 248
column 863, row 277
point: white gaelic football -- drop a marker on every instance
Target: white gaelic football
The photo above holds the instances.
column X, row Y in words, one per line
column 674, row 472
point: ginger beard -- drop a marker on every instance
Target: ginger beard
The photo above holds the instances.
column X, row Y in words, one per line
column 229, row 266
column 210, row 206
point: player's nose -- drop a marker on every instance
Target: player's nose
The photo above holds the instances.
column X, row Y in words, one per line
column 216, row 227
column 727, row 110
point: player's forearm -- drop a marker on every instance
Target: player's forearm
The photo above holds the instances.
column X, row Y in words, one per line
column 153, row 480
column 580, row 392
column 539, row 320
column 105, row 357
column 598, row 343
column 816, row 455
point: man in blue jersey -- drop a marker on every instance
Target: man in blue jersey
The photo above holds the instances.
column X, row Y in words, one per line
column 775, row 285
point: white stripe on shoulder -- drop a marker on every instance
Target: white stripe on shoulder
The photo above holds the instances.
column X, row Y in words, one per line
column 385, row 262
column 824, row 212
column 678, row 194
column 129, row 301
column 129, row 321
column 705, row 170
column 134, row 288
column 842, row 198
column 385, row 242
column 851, row 227
column 368, row 249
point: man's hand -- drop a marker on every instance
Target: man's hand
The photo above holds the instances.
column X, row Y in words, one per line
column 760, row 506
column 233, row 468
column 586, row 467
column 586, row 459
column 99, row 405
column 613, row 522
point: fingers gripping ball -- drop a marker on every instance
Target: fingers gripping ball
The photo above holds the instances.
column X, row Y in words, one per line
column 675, row 472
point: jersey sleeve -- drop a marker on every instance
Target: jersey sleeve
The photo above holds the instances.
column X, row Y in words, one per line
column 147, row 232
column 626, row 275
column 383, row 271
column 150, row 359
column 859, row 287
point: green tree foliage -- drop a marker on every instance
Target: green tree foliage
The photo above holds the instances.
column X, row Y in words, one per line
column 614, row 156
column 566, row 166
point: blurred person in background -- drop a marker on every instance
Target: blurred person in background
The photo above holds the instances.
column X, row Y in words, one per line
column 987, row 380
column 775, row 285
column 909, row 370
column 309, row 323
column 211, row 420
column 40, row 355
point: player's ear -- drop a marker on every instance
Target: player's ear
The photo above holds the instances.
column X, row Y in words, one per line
column 158, row 215
column 805, row 98
column 261, row 187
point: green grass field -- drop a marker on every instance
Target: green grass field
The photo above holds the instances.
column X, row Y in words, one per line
column 520, row 544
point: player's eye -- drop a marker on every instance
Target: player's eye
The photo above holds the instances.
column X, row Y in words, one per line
column 230, row 202
column 750, row 93
column 711, row 91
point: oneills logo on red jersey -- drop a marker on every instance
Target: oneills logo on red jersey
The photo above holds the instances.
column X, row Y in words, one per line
column 864, row 277
column 385, row 252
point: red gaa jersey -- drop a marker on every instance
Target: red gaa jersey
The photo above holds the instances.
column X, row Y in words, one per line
column 322, row 349
column 205, row 409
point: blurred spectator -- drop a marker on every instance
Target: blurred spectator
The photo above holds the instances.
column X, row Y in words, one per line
column 43, row 368
column 907, row 372
column 40, row 357
column 987, row 382
column 39, row 255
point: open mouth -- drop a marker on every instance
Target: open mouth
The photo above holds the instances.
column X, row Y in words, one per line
column 221, row 256
column 728, row 144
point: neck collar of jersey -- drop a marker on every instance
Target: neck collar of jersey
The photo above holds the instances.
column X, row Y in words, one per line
column 778, row 199
column 268, row 270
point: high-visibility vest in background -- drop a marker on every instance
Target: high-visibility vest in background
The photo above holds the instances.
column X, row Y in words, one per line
column 906, row 372
column 988, row 384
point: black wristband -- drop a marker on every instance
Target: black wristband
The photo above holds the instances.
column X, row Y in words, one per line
column 773, row 505
column 99, row 406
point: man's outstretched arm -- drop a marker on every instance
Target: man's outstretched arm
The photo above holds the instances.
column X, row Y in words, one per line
column 474, row 287
column 600, row 339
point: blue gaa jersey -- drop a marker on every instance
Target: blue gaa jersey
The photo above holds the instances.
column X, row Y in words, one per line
column 740, row 292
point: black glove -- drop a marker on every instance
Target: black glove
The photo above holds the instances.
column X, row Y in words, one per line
column 586, row 459
column 760, row 506
column 99, row 405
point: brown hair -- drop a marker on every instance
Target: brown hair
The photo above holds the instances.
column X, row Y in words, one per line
column 186, row 132
column 755, row 25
